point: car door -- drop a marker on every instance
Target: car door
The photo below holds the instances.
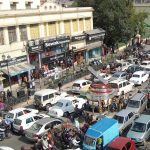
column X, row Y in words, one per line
column 45, row 99
column 147, row 135
column 29, row 122
column 126, row 119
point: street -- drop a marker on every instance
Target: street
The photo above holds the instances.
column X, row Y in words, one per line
column 16, row 141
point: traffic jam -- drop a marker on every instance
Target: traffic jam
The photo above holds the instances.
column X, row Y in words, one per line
column 106, row 110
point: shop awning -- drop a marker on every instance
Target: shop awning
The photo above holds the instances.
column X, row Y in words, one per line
column 95, row 31
column 18, row 69
column 93, row 45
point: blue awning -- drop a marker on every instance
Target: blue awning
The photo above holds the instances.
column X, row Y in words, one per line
column 93, row 134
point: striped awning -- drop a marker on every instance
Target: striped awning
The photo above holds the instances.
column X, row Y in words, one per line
column 18, row 69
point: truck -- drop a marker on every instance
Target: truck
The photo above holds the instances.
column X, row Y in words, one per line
column 101, row 134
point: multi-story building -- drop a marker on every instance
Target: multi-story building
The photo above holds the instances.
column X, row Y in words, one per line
column 45, row 36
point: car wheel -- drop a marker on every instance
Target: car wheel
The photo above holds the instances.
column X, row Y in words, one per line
column 48, row 106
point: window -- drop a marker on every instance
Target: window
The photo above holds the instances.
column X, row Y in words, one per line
column 120, row 85
column 55, row 123
column 23, row 33
column 27, row 111
column 28, row 5
column 29, row 120
column 51, row 96
column 1, row 36
column 19, row 113
column 130, row 115
column 37, row 117
column 12, row 34
column 128, row 146
column 13, row 6
column 124, row 84
column 45, row 97
column 48, row 126
column 126, row 118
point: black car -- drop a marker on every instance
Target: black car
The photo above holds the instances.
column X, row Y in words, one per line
column 134, row 68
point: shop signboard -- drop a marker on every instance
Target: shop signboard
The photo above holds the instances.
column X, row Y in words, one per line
column 13, row 61
column 78, row 38
column 35, row 49
column 96, row 36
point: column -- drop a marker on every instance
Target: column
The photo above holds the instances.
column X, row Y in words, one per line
column 57, row 28
column 47, row 29
column 18, row 34
column 78, row 25
column 84, row 24
column 42, row 32
column 6, row 37
column 71, row 25
column 91, row 23
column 40, row 65
column 28, row 32
column 62, row 27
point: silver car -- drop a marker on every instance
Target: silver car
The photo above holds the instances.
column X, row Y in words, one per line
column 119, row 75
column 40, row 127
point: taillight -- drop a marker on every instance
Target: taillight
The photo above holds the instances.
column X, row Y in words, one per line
column 21, row 128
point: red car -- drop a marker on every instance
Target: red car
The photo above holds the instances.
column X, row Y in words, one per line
column 122, row 143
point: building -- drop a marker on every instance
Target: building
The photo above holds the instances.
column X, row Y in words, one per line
column 43, row 37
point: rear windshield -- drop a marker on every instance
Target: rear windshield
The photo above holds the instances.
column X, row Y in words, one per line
column 37, row 97
column 76, row 84
column 134, row 104
column 114, row 85
column 10, row 115
column 136, row 76
column 17, row 122
column 36, row 127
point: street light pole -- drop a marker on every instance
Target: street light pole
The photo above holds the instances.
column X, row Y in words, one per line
column 7, row 61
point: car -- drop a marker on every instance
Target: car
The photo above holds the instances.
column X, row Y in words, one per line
column 146, row 69
column 137, row 103
column 24, row 122
column 47, row 97
column 15, row 113
column 40, row 127
column 66, row 106
column 139, row 77
column 140, row 130
column 124, row 118
column 119, row 75
column 79, row 84
column 145, row 63
column 133, row 68
column 133, row 60
column 122, row 86
column 5, row 148
column 103, row 75
column 122, row 143
column 124, row 65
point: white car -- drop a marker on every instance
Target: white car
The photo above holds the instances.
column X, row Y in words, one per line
column 66, row 106
column 139, row 77
column 15, row 113
column 77, row 85
column 122, row 86
column 124, row 65
column 104, row 76
column 24, row 122
column 125, row 118
column 5, row 148
column 145, row 63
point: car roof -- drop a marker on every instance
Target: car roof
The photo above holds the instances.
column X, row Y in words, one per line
column 138, row 96
column 139, row 72
column 80, row 81
column 66, row 99
column 119, row 72
column 119, row 142
column 46, row 120
column 25, row 116
column 118, row 81
column 17, row 110
column 123, row 112
column 145, row 61
column 45, row 92
column 143, row 119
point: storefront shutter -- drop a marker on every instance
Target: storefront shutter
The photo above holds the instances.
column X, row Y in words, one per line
column 75, row 25
column 67, row 27
column 52, row 28
column 81, row 25
column 34, row 31
column 88, row 24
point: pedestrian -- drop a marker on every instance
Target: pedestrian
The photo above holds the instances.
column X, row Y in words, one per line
column 59, row 86
column 77, row 124
column 9, row 94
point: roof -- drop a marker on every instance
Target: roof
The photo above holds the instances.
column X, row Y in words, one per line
column 25, row 116
column 119, row 142
column 16, row 110
column 139, row 72
column 101, row 126
column 45, row 92
column 119, row 72
column 118, row 80
column 138, row 96
column 80, row 81
column 143, row 119
column 146, row 61
column 45, row 120
column 66, row 99
column 95, row 31
column 123, row 112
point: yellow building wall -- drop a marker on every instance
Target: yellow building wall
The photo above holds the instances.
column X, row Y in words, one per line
column 67, row 27
column 45, row 29
column 52, row 29
column 34, row 31
column 75, row 25
column 88, row 24
column 81, row 24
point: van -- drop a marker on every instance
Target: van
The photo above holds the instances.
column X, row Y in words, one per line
column 101, row 134
column 122, row 86
column 140, row 130
column 47, row 97
column 137, row 103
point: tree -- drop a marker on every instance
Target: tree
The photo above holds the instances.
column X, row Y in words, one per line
column 117, row 17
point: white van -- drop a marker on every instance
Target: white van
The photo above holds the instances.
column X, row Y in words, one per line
column 123, row 86
column 47, row 97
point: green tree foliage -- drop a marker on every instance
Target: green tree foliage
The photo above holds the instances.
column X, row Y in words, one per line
column 117, row 17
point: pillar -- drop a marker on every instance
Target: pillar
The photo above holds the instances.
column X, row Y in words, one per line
column 84, row 24
column 18, row 34
column 71, row 27
column 40, row 64
column 28, row 32
column 91, row 23
column 6, row 37
column 42, row 32
column 62, row 27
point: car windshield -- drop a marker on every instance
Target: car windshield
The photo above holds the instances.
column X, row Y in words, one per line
column 37, row 97
column 10, row 115
column 17, row 122
column 116, row 75
column 133, row 103
column 136, row 76
column 59, row 104
column 89, row 141
column 76, row 85
column 114, row 85
column 36, row 127
column 144, row 64
column 119, row 118
column 139, row 127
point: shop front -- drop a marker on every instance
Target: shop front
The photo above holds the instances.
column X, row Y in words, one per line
column 78, row 47
column 15, row 70
column 94, row 42
column 54, row 55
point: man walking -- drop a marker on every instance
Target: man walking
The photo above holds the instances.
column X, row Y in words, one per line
column 59, row 86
